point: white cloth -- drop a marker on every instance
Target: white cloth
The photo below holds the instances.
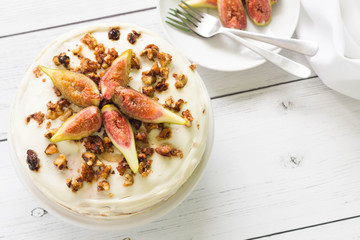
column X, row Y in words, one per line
column 334, row 24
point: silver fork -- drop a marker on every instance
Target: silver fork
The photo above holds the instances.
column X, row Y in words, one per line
column 208, row 26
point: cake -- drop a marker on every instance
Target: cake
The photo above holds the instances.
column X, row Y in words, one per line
column 90, row 176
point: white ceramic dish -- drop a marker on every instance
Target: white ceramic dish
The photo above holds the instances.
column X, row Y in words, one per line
column 141, row 218
column 223, row 54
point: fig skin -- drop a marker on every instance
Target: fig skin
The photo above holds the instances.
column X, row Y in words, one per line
column 119, row 130
column 139, row 106
column 116, row 75
column 202, row 3
column 75, row 87
column 232, row 14
column 80, row 125
column 259, row 11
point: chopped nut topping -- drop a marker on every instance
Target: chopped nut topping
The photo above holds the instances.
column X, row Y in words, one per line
column 145, row 168
column 48, row 125
column 94, row 144
column 103, row 186
column 144, row 153
column 55, row 110
column 168, row 151
column 74, row 184
column 103, row 172
column 62, row 59
column 61, row 162
column 112, row 54
column 51, row 149
column 122, row 167
column 87, row 65
column 165, row 133
column 68, row 112
column 89, row 158
column 193, row 66
column 187, row 115
column 164, row 59
column 32, row 160
column 133, row 36
column 150, row 51
column 169, row 102
column 135, row 62
column 178, row 105
column 141, row 136
column 99, row 163
column 94, row 77
column 108, row 146
column 38, row 117
column 77, row 50
column 135, row 123
column 162, row 85
column 37, row 72
column 148, row 91
column 89, row 40
column 164, row 72
column 57, row 91
column 148, row 77
column 151, row 126
column 129, row 180
column 175, row 106
column 87, row 173
column 181, row 80
column 114, row 33
column 50, row 133
column 100, row 53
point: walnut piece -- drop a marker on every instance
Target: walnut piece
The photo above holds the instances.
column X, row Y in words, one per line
column 77, row 50
column 68, row 112
column 122, row 167
column 193, row 66
column 187, row 115
column 87, row 65
column 94, row 144
column 181, row 80
column 133, row 36
column 167, row 151
column 103, row 172
column 165, row 133
column 89, row 158
column 51, row 149
column 62, row 59
column 55, row 110
column 164, row 59
column 148, row 91
column 50, row 133
column 38, row 117
column 145, row 168
column 103, row 186
column 74, row 184
column 32, row 160
column 89, row 40
column 150, row 51
column 135, row 62
column 148, row 77
column 87, row 173
column 162, row 85
column 93, row 76
column 141, row 136
column 114, row 33
column 164, row 72
column 61, row 162
column 129, row 180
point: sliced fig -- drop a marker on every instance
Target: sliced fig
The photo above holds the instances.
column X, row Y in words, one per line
column 141, row 107
column 259, row 11
column 75, row 87
column 232, row 14
column 80, row 125
column 121, row 135
column 116, row 75
column 273, row 1
column 202, row 3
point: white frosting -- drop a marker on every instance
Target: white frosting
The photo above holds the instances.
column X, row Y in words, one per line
column 168, row 174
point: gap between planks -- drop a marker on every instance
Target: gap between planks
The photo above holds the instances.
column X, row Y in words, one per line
column 78, row 22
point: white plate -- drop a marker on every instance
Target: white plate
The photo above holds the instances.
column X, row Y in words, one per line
column 222, row 53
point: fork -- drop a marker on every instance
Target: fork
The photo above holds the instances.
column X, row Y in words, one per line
column 205, row 25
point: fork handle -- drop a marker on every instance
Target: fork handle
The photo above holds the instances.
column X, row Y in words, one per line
column 282, row 62
column 301, row 46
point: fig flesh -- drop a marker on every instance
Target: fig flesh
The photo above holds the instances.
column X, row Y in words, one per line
column 120, row 132
column 75, row 87
column 116, row 75
column 80, row 125
column 232, row 14
column 259, row 11
column 141, row 107
column 202, row 3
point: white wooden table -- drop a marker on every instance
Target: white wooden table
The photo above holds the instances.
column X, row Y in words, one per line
column 286, row 157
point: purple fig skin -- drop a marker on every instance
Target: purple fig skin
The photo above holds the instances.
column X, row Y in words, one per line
column 120, row 132
column 116, row 75
column 75, row 87
column 80, row 125
column 259, row 11
column 232, row 14
column 139, row 106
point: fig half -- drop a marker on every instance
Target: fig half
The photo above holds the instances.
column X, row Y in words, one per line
column 75, row 87
column 232, row 14
column 80, row 125
column 259, row 11
column 121, row 135
column 202, row 3
column 141, row 107
column 116, row 75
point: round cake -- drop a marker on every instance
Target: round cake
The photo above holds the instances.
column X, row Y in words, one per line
column 62, row 136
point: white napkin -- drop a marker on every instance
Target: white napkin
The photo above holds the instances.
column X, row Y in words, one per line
column 334, row 25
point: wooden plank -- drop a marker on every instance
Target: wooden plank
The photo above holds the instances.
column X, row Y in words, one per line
column 284, row 157
column 24, row 48
column 17, row 16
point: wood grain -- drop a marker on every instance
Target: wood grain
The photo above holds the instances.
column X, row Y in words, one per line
column 284, row 157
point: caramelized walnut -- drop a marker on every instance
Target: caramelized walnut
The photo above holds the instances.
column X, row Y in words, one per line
column 114, row 33
column 103, row 186
column 77, row 50
column 141, row 136
column 168, row 151
column 74, row 184
column 51, row 149
column 165, row 133
column 38, row 117
column 55, row 110
column 61, row 162
column 181, row 80
column 133, row 36
column 50, row 133
column 145, row 168
column 187, row 115
column 89, row 158
column 89, row 40
column 178, row 105
column 87, row 65
column 135, row 123
column 62, row 59
column 193, row 66
column 32, row 160
column 57, row 91
column 68, row 112
column 94, row 144
column 164, row 72
column 151, row 126
column 148, row 77
column 122, row 167
column 129, row 180
column 162, row 85
column 150, row 51
column 164, row 59
column 148, row 91
column 94, row 77
column 48, row 125
column 135, row 62
column 103, row 172
column 87, row 173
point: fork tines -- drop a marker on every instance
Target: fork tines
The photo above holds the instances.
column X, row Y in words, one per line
column 185, row 18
